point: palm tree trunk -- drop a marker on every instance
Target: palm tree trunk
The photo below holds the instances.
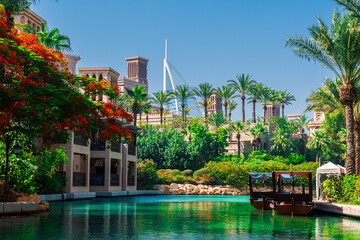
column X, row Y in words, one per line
column 238, row 143
column 253, row 110
column 357, row 147
column 273, row 110
column 225, row 106
column 140, row 116
column 183, row 110
column 243, row 108
column 205, row 111
column 264, row 110
column 283, row 110
column 147, row 118
column 317, row 154
column 350, row 149
column 229, row 116
column 161, row 115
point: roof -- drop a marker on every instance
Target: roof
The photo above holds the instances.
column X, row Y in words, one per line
column 331, row 168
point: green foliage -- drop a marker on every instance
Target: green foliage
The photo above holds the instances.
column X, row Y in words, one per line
column 176, row 171
column 201, row 171
column 34, row 172
column 169, row 149
column 47, row 177
column 344, row 189
column 146, row 174
column 230, row 158
column 187, row 172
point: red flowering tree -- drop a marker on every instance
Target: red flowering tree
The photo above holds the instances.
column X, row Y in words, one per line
column 40, row 98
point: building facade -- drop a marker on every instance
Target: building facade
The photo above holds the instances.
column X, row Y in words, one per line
column 269, row 111
column 30, row 18
column 217, row 107
column 314, row 125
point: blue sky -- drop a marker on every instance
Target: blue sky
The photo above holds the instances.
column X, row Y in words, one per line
column 209, row 41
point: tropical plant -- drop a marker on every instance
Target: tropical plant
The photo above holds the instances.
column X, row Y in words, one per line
column 232, row 106
column 161, row 98
column 137, row 96
column 217, row 120
column 146, row 108
column 51, row 39
column 256, row 132
column 303, row 122
column 338, row 50
column 242, row 84
column 264, row 99
column 254, row 92
column 183, row 93
column 283, row 99
column 318, row 140
column 204, row 92
column 238, row 127
column 226, row 93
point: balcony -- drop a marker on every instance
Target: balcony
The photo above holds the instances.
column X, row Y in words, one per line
column 79, row 179
column 97, row 145
column 79, row 140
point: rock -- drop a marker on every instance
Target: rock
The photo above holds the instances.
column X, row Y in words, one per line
column 203, row 192
column 181, row 191
column 43, row 206
column 166, row 190
column 174, row 185
column 174, row 192
column 189, row 186
column 29, row 198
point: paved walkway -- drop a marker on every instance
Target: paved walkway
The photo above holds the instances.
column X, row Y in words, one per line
column 337, row 208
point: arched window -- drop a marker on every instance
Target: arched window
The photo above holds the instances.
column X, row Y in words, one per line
column 93, row 76
column 100, row 77
column 87, row 75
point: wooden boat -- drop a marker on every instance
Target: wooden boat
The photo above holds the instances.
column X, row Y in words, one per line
column 291, row 203
column 261, row 200
column 298, row 209
column 260, row 204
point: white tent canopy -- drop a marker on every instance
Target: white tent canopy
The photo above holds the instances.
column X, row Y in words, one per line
column 328, row 169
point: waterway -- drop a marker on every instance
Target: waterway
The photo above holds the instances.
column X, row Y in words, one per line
column 173, row 217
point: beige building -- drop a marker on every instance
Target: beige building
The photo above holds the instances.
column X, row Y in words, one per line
column 269, row 111
column 136, row 74
column 217, row 104
column 30, row 18
column 319, row 117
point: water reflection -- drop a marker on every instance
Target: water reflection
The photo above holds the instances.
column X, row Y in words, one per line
column 173, row 218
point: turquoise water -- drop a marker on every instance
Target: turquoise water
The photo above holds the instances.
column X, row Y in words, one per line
column 173, row 217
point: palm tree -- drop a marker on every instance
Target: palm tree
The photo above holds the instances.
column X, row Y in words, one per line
column 161, row 98
column 232, row 106
column 217, row 120
column 183, row 93
column 327, row 97
column 256, row 132
column 285, row 98
column 303, row 123
column 14, row 7
column 254, row 92
column 238, row 128
column 318, row 140
column 53, row 39
column 339, row 51
column 146, row 108
column 137, row 95
column 204, row 91
column 242, row 84
column 264, row 99
column 226, row 93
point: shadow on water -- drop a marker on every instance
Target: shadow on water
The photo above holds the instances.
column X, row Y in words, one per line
column 173, row 217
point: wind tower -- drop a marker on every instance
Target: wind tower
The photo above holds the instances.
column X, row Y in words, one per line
column 167, row 71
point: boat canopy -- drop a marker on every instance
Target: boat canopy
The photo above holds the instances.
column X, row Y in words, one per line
column 287, row 177
column 260, row 176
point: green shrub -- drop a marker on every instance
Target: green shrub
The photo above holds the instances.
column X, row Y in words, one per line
column 167, row 172
column 176, row 171
column 202, row 171
column 344, row 189
column 187, row 172
column 146, row 175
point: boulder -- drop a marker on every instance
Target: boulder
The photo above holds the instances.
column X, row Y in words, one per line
column 29, row 198
column 174, row 185
column 43, row 206
column 166, row 190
